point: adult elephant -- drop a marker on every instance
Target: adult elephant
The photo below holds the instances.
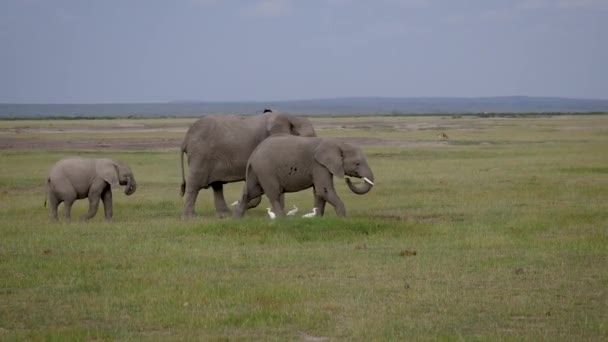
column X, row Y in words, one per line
column 285, row 163
column 218, row 148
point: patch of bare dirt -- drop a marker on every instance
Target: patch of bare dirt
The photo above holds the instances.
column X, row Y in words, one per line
column 120, row 128
column 398, row 126
column 118, row 144
column 11, row 138
column 100, row 144
column 367, row 141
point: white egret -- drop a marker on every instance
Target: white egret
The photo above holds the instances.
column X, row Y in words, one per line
column 293, row 211
column 271, row 214
column 312, row 214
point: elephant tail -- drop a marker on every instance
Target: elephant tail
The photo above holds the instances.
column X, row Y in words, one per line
column 181, row 164
column 48, row 189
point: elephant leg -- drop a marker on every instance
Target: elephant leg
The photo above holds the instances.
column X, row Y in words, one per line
column 64, row 192
column 275, row 202
column 95, row 192
column 221, row 209
column 67, row 208
column 53, row 204
column 320, row 204
column 282, row 201
column 273, row 191
column 252, row 193
column 93, row 206
column 328, row 193
column 336, row 202
column 189, row 203
column 198, row 176
column 254, row 202
column 106, row 197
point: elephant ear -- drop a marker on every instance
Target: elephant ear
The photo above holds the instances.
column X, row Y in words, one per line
column 279, row 123
column 302, row 127
column 108, row 171
column 329, row 154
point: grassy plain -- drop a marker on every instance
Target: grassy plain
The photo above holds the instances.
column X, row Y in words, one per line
column 500, row 232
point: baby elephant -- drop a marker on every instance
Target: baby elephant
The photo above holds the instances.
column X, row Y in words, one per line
column 77, row 178
column 287, row 163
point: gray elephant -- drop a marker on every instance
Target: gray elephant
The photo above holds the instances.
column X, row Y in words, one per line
column 218, row 148
column 77, row 178
column 285, row 163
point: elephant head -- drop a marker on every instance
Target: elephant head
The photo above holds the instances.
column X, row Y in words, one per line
column 285, row 123
column 116, row 173
column 345, row 159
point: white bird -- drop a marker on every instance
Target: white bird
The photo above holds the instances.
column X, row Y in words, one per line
column 234, row 204
column 271, row 214
column 293, row 211
column 313, row 214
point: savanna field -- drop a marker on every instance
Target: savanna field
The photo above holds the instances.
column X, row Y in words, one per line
column 497, row 231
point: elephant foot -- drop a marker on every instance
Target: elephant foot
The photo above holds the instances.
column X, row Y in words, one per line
column 224, row 213
column 187, row 217
column 188, row 214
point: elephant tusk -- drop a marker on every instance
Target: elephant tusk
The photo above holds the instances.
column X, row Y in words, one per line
column 368, row 181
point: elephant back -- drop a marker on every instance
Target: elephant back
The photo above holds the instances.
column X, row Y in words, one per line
column 217, row 131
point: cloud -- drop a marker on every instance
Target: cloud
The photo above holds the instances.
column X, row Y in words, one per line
column 268, row 8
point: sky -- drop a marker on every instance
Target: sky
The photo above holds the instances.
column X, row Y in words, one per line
column 102, row 51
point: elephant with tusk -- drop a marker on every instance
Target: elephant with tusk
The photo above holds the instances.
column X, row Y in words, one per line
column 77, row 178
column 284, row 163
column 218, row 147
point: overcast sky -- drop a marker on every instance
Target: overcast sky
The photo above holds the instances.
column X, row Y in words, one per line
column 80, row 51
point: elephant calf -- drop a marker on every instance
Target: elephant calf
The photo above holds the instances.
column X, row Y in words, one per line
column 287, row 163
column 77, row 178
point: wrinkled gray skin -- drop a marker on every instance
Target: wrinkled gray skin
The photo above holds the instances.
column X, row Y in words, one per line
column 284, row 163
column 77, row 178
column 218, row 147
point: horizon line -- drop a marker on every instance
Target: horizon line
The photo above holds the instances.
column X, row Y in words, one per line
column 186, row 101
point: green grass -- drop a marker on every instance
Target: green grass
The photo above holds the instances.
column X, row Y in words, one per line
column 509, row 222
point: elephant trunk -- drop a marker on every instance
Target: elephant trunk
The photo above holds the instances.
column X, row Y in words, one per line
column 131, row 186
column 363, row 188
